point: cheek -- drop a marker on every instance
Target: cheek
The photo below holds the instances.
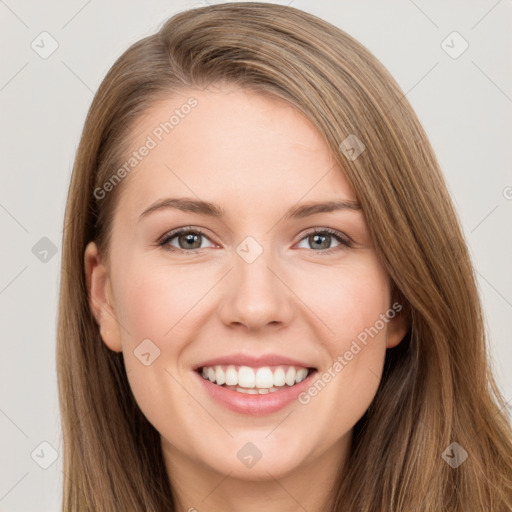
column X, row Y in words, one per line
column 351, row 303
column 153, row 299
column 152, row 302
column 346, row 299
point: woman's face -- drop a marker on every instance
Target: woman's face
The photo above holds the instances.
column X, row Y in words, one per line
column 251, row 287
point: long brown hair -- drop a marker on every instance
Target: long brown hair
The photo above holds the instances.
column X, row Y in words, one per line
column 437, row 387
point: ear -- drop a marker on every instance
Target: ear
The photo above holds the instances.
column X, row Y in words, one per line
column 100, row 298
column 396, row 329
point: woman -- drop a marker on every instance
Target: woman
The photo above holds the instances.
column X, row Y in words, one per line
column 211, row 354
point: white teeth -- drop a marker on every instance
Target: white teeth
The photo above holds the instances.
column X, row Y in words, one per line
column 251, row 391
column 264, row 378
column 255, row 380
column 231, row 376
column 220, row 377
column 301, row 375
column 290, row 376
column 246, row 377
column 279, row 377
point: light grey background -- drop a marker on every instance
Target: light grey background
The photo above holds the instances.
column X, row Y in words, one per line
column 463, row 103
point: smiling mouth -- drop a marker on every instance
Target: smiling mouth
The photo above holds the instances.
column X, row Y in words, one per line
column 254, row 381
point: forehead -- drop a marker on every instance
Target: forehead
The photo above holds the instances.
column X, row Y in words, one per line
column 232, row 144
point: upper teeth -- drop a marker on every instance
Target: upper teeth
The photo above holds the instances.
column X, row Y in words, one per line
column 247, row 377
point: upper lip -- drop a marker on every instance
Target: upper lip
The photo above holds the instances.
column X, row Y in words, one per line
column 254, row 361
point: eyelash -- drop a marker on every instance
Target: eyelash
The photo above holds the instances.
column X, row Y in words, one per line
column 344, row 241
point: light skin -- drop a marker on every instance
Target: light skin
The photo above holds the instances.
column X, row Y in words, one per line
column 255, row 157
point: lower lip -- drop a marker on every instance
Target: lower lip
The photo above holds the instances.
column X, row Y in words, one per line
column 255, row 405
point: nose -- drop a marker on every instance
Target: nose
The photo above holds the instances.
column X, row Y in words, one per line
column 257, row 294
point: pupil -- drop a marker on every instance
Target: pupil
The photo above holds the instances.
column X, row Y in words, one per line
column 325, row 237
column 190, row 238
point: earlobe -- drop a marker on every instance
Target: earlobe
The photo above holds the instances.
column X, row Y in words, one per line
column 100, row 297
column 396, row 330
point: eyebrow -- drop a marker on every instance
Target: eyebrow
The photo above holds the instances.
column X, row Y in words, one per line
column 213, row 210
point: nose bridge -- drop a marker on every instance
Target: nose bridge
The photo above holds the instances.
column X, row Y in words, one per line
column 257, row 296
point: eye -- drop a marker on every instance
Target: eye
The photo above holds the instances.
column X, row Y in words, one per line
column 321, row 239
column 187, row 239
